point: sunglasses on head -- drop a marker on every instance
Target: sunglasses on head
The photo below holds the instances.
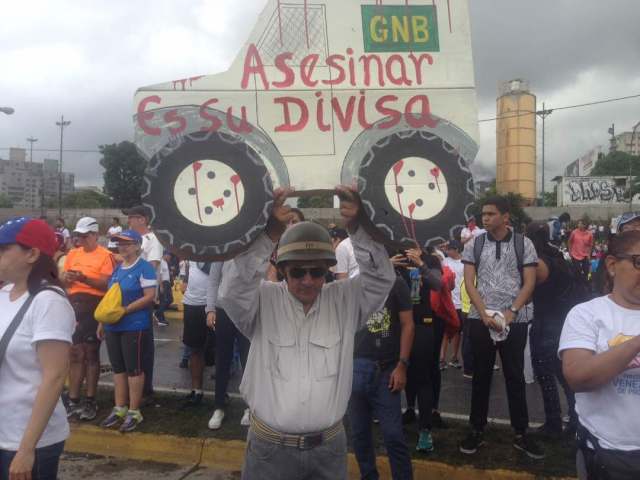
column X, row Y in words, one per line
column 314, row 272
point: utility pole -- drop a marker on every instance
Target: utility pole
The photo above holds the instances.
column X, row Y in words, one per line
column 543, row 114
column 31, row 140
column 633, row 135
column 61, row 124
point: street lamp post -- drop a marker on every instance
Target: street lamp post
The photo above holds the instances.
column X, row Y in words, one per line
column 543, row 114
column 633, row 135
column 31, row 141
column 61, row 124
column 7, row 110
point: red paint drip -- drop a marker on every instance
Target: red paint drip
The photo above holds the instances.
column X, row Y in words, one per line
column 397, row 168
column 436, row 174
column 449, row 10
column 219, row 203
column 412, row 208
column 236, row 180
column 306, row 23
column 280, row 24
column 197, row 166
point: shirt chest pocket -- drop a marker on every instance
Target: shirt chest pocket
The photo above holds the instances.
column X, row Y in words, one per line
column 324, row 353
column 281, row 357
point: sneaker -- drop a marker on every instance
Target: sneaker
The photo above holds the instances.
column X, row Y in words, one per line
column 184, row 363
column 409, row 416
column 425, row 442
column 131, row 421
column 471, row 444
column 193, row 399
column 525, row 444
column 163, row 323
column 468, row 375
column 436, row 420
column 116, row 416
column 246, row 418
column 89, row 410
column 443, row 365
column 74, row 408
column 455, row 364
column 215, row 422
column 549, row 430
column 496, row 367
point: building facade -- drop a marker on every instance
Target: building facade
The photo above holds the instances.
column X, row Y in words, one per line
column 32, row 184
column 625, row 143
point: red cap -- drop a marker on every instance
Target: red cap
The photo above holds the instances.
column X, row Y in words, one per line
column 29, row 232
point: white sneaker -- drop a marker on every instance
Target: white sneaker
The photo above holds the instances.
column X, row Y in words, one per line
column 246, row 421
column 216, row 419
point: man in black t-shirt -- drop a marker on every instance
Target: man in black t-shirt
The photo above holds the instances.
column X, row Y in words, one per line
column 381, row 357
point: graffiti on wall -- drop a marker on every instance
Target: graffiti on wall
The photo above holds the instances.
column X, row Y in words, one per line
column 585, row 190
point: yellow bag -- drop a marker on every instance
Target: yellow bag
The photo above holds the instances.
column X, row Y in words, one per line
column 110, row 309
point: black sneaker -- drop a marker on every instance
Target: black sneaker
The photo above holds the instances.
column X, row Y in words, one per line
column 409, row 416
column 471, row 444
column 436, row 420
column 193, row 400
column 525, row 444
column 550, row 430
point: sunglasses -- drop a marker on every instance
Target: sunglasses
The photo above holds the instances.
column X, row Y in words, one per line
column 314, row 272
column 635, row 259
column 125, row 244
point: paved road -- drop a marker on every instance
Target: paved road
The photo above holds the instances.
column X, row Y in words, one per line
column 455, row 395
column 81, row 467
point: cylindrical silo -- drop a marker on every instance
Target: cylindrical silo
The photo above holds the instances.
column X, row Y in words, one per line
column 516, row 140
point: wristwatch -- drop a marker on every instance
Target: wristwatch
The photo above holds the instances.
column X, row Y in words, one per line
column 513, row 310
column 404, row 361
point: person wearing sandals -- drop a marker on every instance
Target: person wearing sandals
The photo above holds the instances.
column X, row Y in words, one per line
column 34, row 355
column 126, row 339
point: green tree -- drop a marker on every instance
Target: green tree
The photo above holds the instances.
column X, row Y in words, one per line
column 123, row 173
column 551, row 198
column 619, row 164
column 324, row 200
column 515, row 200
column 5, row 202
column 86, row 199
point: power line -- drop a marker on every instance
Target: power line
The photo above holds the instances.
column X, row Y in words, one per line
column 56, row 150
column 567, row 107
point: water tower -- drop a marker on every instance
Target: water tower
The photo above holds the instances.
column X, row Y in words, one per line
column 516, row 140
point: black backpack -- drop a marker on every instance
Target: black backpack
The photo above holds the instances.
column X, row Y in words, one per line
column 575, row 288
column 518, row 243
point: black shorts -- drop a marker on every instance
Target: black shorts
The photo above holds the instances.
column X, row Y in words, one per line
column 84, row 306
column 126, row 351
column 195, row 331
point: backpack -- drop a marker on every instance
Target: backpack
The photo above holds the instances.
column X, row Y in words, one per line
column 576, row 288
column 518, row 243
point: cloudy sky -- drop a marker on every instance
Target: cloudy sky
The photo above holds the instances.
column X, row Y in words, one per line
column 86, row 59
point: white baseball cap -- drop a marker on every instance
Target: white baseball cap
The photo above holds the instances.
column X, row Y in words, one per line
column 86, row 225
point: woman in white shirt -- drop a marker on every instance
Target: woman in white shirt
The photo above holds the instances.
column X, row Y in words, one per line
column 600, row 351
column 36, row 361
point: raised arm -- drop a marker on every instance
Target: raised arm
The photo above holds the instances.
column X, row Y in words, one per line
column 239, row 292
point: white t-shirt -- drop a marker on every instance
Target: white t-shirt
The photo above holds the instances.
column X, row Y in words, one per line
column 346, row 259
column 611, row 413
column 165, row 275
column 113, row 230
column 50, row 317
column 466, row 233
column 458, row 268
column 151, row 248
column 196, row 292
column 183, row 268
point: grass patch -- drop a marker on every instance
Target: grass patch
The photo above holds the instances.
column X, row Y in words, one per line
column 166, row 416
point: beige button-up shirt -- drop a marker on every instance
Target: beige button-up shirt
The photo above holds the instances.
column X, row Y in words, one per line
column 300, row 367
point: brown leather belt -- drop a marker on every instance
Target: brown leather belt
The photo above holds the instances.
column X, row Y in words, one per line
column 302, row 442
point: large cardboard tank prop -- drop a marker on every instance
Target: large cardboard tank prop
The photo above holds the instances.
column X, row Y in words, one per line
column 375, row 94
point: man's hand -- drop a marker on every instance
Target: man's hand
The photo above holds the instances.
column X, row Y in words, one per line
column 399, row 261
column 71, row 276
column 22, row 465
column 100, row 332
column 415, row 257
column 211, row 320
column 398, row 378
column 509, row 317
column 490, row 322
column 280, row 214
column 349, row 205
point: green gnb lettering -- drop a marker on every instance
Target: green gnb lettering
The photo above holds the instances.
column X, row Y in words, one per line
column 400, row 28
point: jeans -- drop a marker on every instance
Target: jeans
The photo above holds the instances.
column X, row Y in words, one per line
column 165, row 299
column 484, row 357
column 371, row 398
column 583, row 266
column 45, row 466
column 547, row 367
column 148, row 360
column 467, row 354
column 269, row 461
column 226, row 334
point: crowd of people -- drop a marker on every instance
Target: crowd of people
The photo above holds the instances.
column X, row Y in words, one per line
column 328, row 323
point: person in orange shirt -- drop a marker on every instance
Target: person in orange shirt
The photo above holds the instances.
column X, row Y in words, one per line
column 580, row 246
column 86, row 272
